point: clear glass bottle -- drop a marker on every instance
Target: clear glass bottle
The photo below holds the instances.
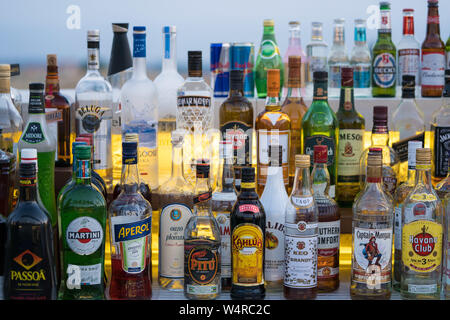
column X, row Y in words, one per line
column 361, row 60
column 422, row 235
column 202, row 243
column 93, row 109
column 338, row 57
column 371, row 271
column 443, row 187
column 317, row 53
column 295, row 49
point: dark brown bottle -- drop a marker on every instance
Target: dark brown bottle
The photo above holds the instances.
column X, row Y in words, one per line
column 248, row 227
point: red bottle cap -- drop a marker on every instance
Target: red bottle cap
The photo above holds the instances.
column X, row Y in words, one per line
column 88, row 136
column 83, row 139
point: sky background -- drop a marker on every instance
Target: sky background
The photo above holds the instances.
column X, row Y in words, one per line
column 31, row 29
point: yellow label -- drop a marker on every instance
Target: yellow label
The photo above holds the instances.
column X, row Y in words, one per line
column 248, row 185
column 422, row 245
column 423, row 197
column 247, row 255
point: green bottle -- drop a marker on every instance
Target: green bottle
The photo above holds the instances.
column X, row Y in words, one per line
column 384, row 53
column 36, row 135
column 82, row 222
column 320, row 127
column 269, row 57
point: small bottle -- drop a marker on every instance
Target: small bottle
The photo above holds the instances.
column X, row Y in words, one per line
column 422, row 235
column 371, row 270
column 274, row 200
column 202, row 243
column 360, row 60
column 338, row 57
column 301, row 236
column 317, row 52
column 329, row 226
column 295, row 49
column 248, row 227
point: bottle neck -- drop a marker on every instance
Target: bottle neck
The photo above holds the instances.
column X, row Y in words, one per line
column 294, row 38
column 177, row 161
column 225, row 177
column 320, row 179
column 236, row 92
column 273, row 103
column 275, row 178
column 294, row 92
column 385, row 25
column 51, row 83
column 408, row 26
column 28, row 189
column 83, row 174
column 423, row 176
column 93, row 63
column 130, row 177
column 320, row 91
column 269, row 33
column 347, row 100
column 139, row 68
column 169, row 61
column 202, row 200
column 248, row 190
column 433, row 28
column 302, row 183
column 380, row 135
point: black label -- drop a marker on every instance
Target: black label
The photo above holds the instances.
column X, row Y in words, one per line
column 33, row 133
column 240, row 135
column 202, row 261
column 441, row 150
column 193, row 101
column 36, row 103
column 401, row 147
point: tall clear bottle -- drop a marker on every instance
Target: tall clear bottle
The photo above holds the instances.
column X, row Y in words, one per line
column 372, row 228
column 422, row 235
column 360, row 60
column 295, row 49
column 317, row 53
column 338, row 57
column 93, row 109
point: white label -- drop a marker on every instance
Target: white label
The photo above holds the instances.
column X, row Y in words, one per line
column 398, row 227
column 83, row 275
column 84, row 235
column 422, row 288
column 302, row 201
column 433, row 69
column 329, row 237
column 384, row 70
column 272, row 137
column 408, row 63
column 223, row 220
column 196, row 289
column 301, row 262
column 274, row 252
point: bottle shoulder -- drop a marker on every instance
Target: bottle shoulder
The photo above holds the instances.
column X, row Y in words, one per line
column 28, row 212
column 93, row 81
column 82, row 195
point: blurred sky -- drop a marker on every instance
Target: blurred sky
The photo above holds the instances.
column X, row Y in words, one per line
column 31, row 29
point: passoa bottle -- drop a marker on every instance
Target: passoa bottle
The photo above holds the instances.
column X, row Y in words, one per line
column 295, row 49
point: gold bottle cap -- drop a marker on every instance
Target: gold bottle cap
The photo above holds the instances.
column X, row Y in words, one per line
column 273, row 82
column 51, row 60
column 268, row 23
column 302, row 160
column 5, row 76
column 423, row 158
column 131, row 137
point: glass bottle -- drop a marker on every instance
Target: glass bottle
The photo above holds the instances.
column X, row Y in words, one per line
column 301, row 236
column 2, row 253
column 294, row 106
column 202, row 243
column 272, row 127
column 408, row 55
column 320, row 126
column 384, row 53
column 93, row 109
column 268, row 57
column 295, row 49
column 408, row 124
column 222, row 202
column 350, row 144
column 329, row 225
column 317, row 52
column 433, row 55
column 372, row 226
column 422, row 235
column 82, row 215
column 446, row 272
column 338, row 57
column 30, row 272
column 175, row 209
column 447, row 50
column 71, row 182
column 443, row 187
column 274, row 200
column 248, row 227
column 58, row 108
column 130, row 251
column 360, row 60
column 399, row 198
column 440, row 135
column 236, row 124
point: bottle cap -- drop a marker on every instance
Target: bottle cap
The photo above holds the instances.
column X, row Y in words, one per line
column 131, row 137
column 268, row 23
column 320, row 154
column 28, row 155
column 423, row 156
column 120, row 27
column 273, row 82
column 202, row 168
column 169, row 29
column 294, row 65
column 93, row 35
column 36, row 100
column 236, row 79
column 85, row 140
column 195, row 63
column 82, row 152
column 248, row 174
column 302, row 160
column 347, row 77
column 139, row 29
column 385, row 5
column 89, row 136
column 320, row 76
column 380, row 114
column 78, row 143
column 52, row 60
column 5, row 71
column 294, row 23
column 27, row 170
column 408, row 10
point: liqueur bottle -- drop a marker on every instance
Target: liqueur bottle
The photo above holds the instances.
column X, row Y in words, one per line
column 316, row 51
column 59, row 108
column 433, row 55
column 130, row 218
column 294, row 106
column 202, row 243
column 222, row 202
column 248, row 227
column 82, row 220
column 329, row 225
column 301, row 236
column 236, row 124
column 350, row 144
column 422, row 235
column 295, row 49
column 320, row 126
column 269, row 57
column 338, row 57
column 371, row 271
column 93, row 109
column 30, row 272
column 384, row 54
column 407, row 123
column 360, row 60
column 272, row 127
column 274, row 200
column 440, row 135
column 175, row 210
column 399, row 198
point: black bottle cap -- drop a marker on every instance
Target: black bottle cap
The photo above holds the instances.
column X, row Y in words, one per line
column 195, row 63
column 36, row 86
column 248, row 174
column 27, row 169
column 236, row 80
column 320, row 76
column 36, row 100
column 129, row 149
column 120, row 51
column 380, row 115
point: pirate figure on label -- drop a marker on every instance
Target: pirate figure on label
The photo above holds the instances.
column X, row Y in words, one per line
column 371, row 251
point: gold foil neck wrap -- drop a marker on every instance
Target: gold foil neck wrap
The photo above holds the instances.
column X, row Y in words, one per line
column 294, row 66
column 268, row 23
column 423, row 156
column 5, row 76
column 302, row 160
column 273, row 82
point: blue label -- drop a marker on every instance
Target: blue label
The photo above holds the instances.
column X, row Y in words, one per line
column 132, row 231
column 139, row 45
column 83, row 170
column 361, row 76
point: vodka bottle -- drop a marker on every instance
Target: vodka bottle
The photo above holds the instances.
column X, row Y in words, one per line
column 338, row 58
column 361, row 60
column 317, row 54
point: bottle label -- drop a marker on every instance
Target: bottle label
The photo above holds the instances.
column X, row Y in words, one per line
column 247, row 241
column 422, row 245
column 433, row 69
column 193, row 101
column 301, row 261
column 84, row 235
column 330, row 142
column 139, row 49
column 274, row 255
column 361, row 76
column 408, row 63
column 422, row 288
column 334, row 76
column 398, row 227
column 33, row 134
column 401, row 147
column 389, row 179
column 441, row 150
column 372, row 256
column 223, row 220
column 83, row 169
column 174, row 218
column 132, row 239
column 303, row 202
column 203, row 197
column 240, row 135
column 267, row 138
column 351, row 146
column 384, row 70
column 86, row 275
column 329, row 236
column 268, row 49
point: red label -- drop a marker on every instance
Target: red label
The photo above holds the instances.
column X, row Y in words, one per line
column 249, row 207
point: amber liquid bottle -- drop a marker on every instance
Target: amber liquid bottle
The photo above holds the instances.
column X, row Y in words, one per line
column 433, row 55
column 273, row 127
column 295, row 108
